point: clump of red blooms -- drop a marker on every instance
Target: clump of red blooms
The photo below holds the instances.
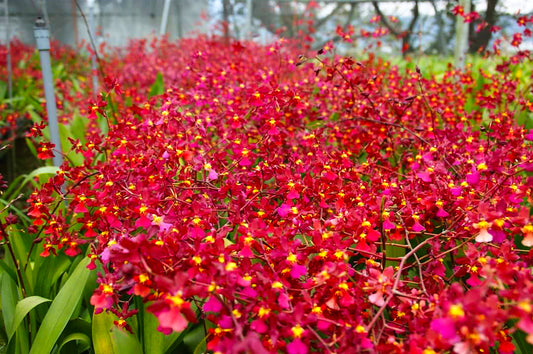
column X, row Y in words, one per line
column 28, row 89
column 328, row 205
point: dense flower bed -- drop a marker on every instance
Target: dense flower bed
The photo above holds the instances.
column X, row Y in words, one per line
column 70, row 83
column 304, row 204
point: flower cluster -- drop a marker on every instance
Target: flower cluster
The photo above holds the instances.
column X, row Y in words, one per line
column 71, row 87
column 337, row 205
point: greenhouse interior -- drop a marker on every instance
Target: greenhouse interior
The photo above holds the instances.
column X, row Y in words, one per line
column 266, row 176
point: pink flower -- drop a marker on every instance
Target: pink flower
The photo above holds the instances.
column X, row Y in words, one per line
column 377, row 299
column 284, row 210
column 446, row 328
column 171, row 320
column 441, row 213
column 297, row 347
column 473, row 178
column 388, row 225
column 159, row 221
column 528, row 235
column 424, row 176
column 298, row 270
column 212, row 305
column 293, row 194
column 417, row 227
column 483, row 236
column 212, row 175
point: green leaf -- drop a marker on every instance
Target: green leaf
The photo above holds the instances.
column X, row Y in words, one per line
column 64, row 133
column 14, row 189
column 520, row 342
column 196, row 340
column 35, row 117
column 13, row 185
column 78, row 337
column 109, row 339
column 61, row 310
column 25, row 219
column 173, row 344
column 102, row 123
column 48, row 273
column 394, row 251
column 158, row 87
column 78, row 128
column 9, row 299
column 171, row 339
column 111, row 106
column 201, row 347
column 7, row 270
column 21, row 244
column 154, row 341
column 3, row 89
column 31, row 147
column 24, row 306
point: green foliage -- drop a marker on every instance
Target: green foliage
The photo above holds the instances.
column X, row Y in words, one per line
column 158, row 87
column 109, row 339
column 23, row 307
column 61, row 310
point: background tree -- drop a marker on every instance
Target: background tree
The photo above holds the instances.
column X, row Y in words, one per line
column 480, row 39
column 405, row 35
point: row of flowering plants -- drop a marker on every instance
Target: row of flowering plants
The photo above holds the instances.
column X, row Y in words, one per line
column 255, row 200
column 26, row 104
column 295, row 204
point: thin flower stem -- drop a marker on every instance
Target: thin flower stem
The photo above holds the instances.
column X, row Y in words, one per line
column 326, row 346
column 397, row 281
column 238, row 328
column 416, row 257
column 442, row 254
column 382, row 232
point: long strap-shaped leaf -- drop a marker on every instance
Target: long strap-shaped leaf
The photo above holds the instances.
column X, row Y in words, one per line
column 23, row 307
column 61, row 310
column 109, row 339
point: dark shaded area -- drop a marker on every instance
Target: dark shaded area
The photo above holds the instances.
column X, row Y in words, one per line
column 480, row 40
column 17, row 160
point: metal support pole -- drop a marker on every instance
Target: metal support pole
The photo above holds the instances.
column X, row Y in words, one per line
column 42, row 37
column 164, row 18
column 461, row 37
column 44, row 11
column 249, row 18
column 92, row 33
column 179, row 17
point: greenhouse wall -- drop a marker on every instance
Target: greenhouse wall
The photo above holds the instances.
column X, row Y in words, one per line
column 116, row 20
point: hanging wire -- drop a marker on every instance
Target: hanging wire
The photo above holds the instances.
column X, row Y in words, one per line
column 91, row 39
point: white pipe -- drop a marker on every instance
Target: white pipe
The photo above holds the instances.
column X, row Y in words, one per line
column 249, row 18
column 164, row 19
column 42, row 37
